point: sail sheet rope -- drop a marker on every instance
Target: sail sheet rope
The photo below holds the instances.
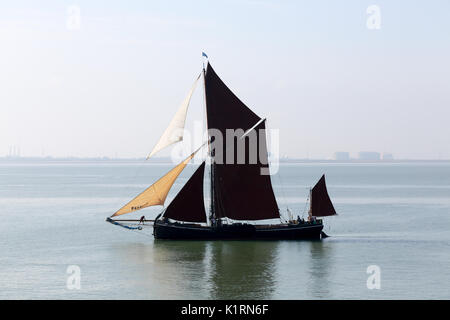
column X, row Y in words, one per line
column 283, row 195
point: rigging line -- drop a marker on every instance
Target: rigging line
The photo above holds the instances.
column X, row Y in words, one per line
column 140, row 165
column 142, row 233
column 282, row 191
column 306, row 206
column 204, row 123
column 283, row 196
column 139, row 231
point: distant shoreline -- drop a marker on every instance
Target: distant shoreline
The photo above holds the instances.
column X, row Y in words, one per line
column 167, row 160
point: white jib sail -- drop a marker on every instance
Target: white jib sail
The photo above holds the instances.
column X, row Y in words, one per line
column 174, row 132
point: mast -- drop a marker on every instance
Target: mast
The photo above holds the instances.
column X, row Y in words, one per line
column 211, row 176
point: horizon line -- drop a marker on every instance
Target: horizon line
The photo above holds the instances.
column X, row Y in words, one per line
column 167, row 159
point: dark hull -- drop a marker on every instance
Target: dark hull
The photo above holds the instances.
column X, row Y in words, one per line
column 176, row 231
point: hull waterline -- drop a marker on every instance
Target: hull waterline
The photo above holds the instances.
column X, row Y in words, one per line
column 178, row 231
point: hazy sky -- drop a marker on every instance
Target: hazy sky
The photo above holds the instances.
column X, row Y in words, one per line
column 312, row 68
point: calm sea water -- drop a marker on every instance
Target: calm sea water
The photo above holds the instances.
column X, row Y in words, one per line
column 394, row 215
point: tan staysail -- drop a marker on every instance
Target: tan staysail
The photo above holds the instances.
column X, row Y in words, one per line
column 174, row 132
column 155, row 194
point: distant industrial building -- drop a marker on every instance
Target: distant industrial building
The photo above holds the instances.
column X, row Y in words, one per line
column 369, row 155
column 14, row 152
column 388, row 156
column 341, row 155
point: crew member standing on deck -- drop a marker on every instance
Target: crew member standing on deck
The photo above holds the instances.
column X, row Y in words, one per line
column 141, row 220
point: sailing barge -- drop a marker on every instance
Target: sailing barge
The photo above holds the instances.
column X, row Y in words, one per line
column 240, row 189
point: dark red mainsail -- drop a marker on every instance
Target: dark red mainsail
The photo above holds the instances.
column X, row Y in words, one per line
column 240, row 191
